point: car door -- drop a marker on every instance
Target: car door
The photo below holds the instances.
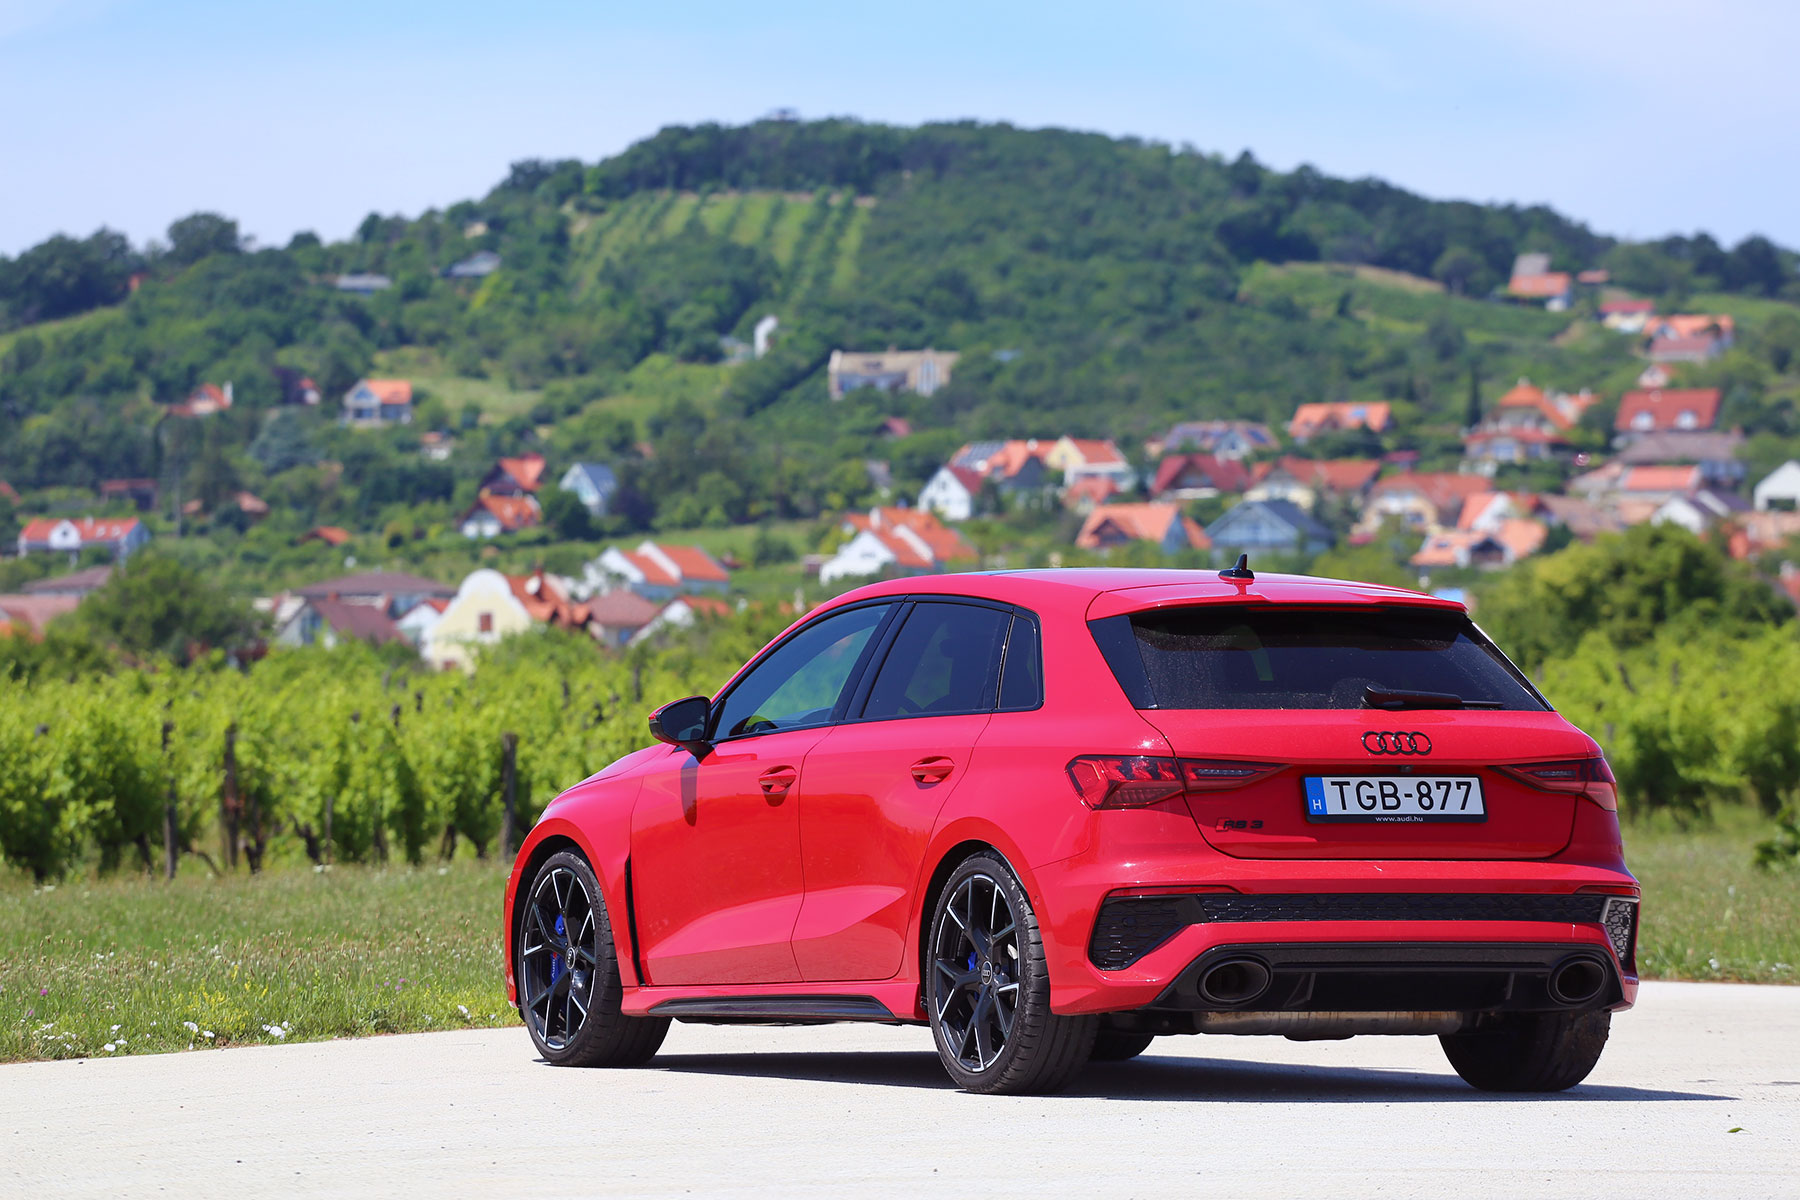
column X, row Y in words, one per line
column 715, row 840
column 875, row 784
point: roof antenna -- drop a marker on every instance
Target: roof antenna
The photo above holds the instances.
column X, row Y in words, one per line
column 1240, row 571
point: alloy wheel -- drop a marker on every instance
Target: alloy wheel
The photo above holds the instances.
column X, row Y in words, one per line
column 559, row 957
column 975, row 972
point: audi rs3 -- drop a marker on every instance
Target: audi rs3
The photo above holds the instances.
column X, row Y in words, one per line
column 1058, row 814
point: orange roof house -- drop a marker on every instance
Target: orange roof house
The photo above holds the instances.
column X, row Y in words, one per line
column 905, row 541
column 121, row 535
column 1431, row 500
column 1547, row 285
column 331, row 535
column 518, row 476
column 1665, row 410
column 379, row 402
column 491, row 516
column 1310, row 420
column 1160, row 523
column 657, row 570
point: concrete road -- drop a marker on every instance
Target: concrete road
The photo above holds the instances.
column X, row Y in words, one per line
column 866, row 1111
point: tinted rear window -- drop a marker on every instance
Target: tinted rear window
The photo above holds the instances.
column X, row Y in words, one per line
column 1218, row 656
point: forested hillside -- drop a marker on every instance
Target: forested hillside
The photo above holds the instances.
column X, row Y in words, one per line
column 1093, row 285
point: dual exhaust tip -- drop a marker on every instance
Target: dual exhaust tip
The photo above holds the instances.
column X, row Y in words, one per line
column 1234, row 982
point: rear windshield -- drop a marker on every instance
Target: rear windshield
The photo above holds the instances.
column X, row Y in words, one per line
column 1219, row 656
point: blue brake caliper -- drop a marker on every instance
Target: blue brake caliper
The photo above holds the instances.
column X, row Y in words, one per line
column 556, row 958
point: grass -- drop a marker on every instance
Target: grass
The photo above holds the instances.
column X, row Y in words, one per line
column 346, row 952
column 298, row 954
column 1709, row 914
column 491, row 397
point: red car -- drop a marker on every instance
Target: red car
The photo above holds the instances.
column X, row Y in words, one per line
column 1056, row 814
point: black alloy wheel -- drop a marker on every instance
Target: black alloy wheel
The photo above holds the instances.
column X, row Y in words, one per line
column 988, row 989
column 568, row 976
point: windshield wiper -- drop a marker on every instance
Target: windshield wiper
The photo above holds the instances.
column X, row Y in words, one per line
column 1394, row 701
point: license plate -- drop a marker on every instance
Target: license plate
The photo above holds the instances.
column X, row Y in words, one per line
column 1394, row 799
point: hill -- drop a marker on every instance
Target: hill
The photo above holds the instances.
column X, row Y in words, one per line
column 1095, row 286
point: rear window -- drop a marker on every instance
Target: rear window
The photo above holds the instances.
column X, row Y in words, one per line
column 1219, row 656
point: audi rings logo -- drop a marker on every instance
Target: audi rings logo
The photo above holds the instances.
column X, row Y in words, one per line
column 1396, row 742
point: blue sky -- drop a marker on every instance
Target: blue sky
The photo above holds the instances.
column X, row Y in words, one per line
column 1641, row 117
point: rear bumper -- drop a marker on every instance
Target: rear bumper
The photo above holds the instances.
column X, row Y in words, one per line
column 1116, row 947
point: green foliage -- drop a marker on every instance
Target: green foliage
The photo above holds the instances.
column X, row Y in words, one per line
column 1627, row 588
column 155, row 606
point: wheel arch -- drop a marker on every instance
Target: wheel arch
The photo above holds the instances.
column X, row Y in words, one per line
column 951, row 858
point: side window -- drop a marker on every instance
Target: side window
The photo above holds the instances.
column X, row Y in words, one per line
column 799, row 683
column 1021, row 680
column 946, row 659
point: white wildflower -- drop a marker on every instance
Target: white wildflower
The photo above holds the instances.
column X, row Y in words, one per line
column 190, row 1027
column 109, row 1047
column 463, row 1009
column 206, row 1033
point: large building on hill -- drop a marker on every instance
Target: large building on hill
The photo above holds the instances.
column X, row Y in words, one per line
column 375, row 402
column 53, row 535
column 890, row 370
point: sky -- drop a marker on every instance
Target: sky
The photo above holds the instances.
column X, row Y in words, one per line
column 1641, row 118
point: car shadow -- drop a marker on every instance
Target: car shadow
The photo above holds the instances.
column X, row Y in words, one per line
column 1158, row 1077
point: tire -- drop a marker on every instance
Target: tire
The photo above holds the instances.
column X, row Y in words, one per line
column 558, row 970
column 1530, row 1052
column 988, row 989
column 1118, row 1045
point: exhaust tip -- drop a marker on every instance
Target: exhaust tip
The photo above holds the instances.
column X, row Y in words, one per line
column 1577, row 981
column 1234, row 981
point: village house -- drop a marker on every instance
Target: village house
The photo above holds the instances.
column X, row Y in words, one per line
column 617, row 616
column 1755, row 533
column 436, row 446
column 203, row 401
column 681, row 613
column 1527, row 424
column 1221, row 439
column 1015, row 466
column 656, row 570
column 1500, row 546
column 1086, row 493
column 296, row 387
column 478, row 265
column 331, row 535
column 375, row 402
column 1626, row 316
column 1197, row 477
column 119, row 535
column 29, row 614
column 76, row 583
column 1160, row 524
column 417, row 622
column 1311, row 420
column 520, row 476
column 492, row 515
column 391, row 592
column 900, row 541
column 363, row 283
column 594, row 484
column 1079, row 458
column 1715, row 453
column 952, row 493
column 1582, row 519
column 490, row 606
column 1306, row 481
column 139, row 493
column 1688, row 337
column 1268, row 527
column 1428, row 501
column 1779, row 489
column 919, row 371
column 1672, row 410
column 1533, row 280
column 1699, row 511
column 329, row 623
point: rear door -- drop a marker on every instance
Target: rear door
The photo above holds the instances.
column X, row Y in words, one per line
column 1289, row 687
column 875, row 784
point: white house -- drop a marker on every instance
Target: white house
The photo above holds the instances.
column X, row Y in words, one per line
column 121, row 535
column 761, row 337
column 594, row 484
column 655, row 570
column 951, row 493
column 901, row 540
column 1779, row 489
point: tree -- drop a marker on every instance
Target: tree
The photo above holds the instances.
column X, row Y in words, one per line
column 200, row 236
column 568, row 516
column 155, row 606
column 1458, row 269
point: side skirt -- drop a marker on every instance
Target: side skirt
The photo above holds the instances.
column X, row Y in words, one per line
column 775, row 1010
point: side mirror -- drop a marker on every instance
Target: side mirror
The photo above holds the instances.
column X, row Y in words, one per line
column 682, row 722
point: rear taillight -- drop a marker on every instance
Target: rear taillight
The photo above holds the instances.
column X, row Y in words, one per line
column 1140, row 781
column 1589, row 777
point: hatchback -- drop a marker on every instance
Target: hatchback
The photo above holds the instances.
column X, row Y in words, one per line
column 1057, row 814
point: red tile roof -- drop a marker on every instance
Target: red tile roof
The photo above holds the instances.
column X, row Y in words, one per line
column 391, row 391
column 1331, row 474
column 35, row 612
column 707, row 606
column 1661, row 479
column 7, row 491
column 650, row 569
column 1226, row 475
column 1139, row 522
column 1095, row 488
column 1540, row 287
column 527, row 470
column 1627, row 307
column 1665, row 408
column 90, row 529
column 622, row 608
column 695, row 563
column 1318, row 418
column 331, row 535
column 545, row 602
column 1095, row 451
column 513, row 512
column 944, row 543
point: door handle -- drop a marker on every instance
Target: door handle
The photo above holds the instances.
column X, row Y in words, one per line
column 932, row 770
column 776, row 781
